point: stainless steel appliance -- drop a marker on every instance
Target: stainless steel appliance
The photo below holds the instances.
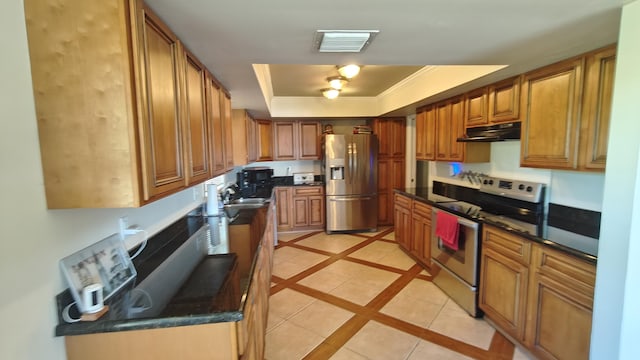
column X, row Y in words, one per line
column 351, row 175
column 255, row 181
column 517, row 204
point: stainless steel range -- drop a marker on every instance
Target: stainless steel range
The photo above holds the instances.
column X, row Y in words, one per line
column 516, row 204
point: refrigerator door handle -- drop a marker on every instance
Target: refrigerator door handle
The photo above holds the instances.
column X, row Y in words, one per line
column 355, row 159
column 360, row 198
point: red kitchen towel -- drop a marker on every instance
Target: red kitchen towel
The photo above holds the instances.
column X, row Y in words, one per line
column 447, row 229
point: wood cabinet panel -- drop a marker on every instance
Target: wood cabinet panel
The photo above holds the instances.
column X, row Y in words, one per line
column 264, row 134
column 449, row 127
column 228, row 132
column 560, row 320
column 507, row 244
column 196, row 122
column 456, row 149
column 443, row 129
column 285, row 140
column 162, row 129
column 551, row 103
column 426, row 134
column 214, row 103
column 420, row 243
column 283, row 208
column 243, row 135
column 596, row 113
column 503, row 294
column 391, row 134
column 475, row 106
column 504, row 100
column 402, row 221
column 316, row 211
column 309, row 140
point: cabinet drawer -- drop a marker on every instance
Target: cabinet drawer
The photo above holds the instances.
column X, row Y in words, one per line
column 507, row 244
column 307, row 190
column 422, row 209
column 574, row 272
column 403, row 201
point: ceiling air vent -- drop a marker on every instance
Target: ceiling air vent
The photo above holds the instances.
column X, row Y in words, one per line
column 343, row 40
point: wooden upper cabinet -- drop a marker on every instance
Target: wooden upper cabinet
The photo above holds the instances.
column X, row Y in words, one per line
column 244, row 141
column 264, row 136
column 228, row 132
column 309, row 140
column 196, row 121
column 284, row 135
column 426, row 134
column 449, row 126
column 162, row 168
column 216, row 129
column 391, row 136
column 596, row 112
column 475, row 106
column 296, row 140
column 504, row 100
column 551, row 99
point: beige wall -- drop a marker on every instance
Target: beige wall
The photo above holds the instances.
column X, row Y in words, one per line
column 33, row 238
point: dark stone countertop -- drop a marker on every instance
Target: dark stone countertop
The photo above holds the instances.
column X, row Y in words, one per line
column 158, row 301
column 556, row 238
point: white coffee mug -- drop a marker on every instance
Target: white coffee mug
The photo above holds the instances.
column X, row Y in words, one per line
column 92, row 298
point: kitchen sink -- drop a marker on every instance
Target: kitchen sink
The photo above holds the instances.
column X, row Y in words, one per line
column 248, row 201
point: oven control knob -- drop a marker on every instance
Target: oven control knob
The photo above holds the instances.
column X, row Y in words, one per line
column 485, row 181
column 529, row 189
column 490, row 182
column 521, row 187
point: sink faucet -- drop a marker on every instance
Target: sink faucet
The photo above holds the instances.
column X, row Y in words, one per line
column 228, row 191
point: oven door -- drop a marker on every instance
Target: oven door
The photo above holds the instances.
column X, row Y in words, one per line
column 464, row 261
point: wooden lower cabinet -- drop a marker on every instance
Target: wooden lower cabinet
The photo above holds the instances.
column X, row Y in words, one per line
column 560, row 305
column 541, row 297
column 300, row 208
column 413, row 228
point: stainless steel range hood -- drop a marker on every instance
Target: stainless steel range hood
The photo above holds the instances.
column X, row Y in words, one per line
column 499, row 132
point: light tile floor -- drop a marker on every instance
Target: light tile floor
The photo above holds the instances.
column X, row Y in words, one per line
column 359, row 296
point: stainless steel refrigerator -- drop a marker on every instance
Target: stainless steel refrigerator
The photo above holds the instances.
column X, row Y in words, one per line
column 350, row 164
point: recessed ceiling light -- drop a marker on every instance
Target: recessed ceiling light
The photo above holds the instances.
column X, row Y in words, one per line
column 343, row 40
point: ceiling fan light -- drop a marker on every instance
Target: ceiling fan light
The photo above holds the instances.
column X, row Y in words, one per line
column 330, row 93
column 349, row 71
column 337, row 82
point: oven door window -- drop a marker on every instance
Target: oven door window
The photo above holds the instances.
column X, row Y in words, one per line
column 458, row 255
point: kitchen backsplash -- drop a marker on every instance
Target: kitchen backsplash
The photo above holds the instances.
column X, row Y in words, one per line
column 570, row 188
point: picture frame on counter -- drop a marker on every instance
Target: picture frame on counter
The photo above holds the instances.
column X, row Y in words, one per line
column 106, row 262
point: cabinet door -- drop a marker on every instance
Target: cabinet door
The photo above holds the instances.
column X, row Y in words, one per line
column 418, row 234
column 228, row 132
column 596, row 114
column 456, row 149
column 421, row 134
column 503, row 291
column 382, row 131
column 385, row 210
column 216, row 128
column 560, row 305
column 283, row 208
column 309, row 140
column 252, row 139
column 316, row 211
column 551, row 114
column 300, row 211
column 504, row 100
column 443, row 129
column 561, row 320
column 475, row 106
column 264, row 135
column 430, row 133
column 163, row 166
column 196, row 122
column 398, row 136
column 284, row 135
column 240, row 136
column 403, row 226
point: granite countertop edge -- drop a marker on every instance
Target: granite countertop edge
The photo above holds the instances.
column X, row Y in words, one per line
column 94, row 327
column 550, row 243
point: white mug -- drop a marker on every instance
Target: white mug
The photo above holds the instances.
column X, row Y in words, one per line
column 92, row 298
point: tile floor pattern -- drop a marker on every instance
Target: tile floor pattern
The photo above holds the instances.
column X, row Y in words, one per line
column 358, row 296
